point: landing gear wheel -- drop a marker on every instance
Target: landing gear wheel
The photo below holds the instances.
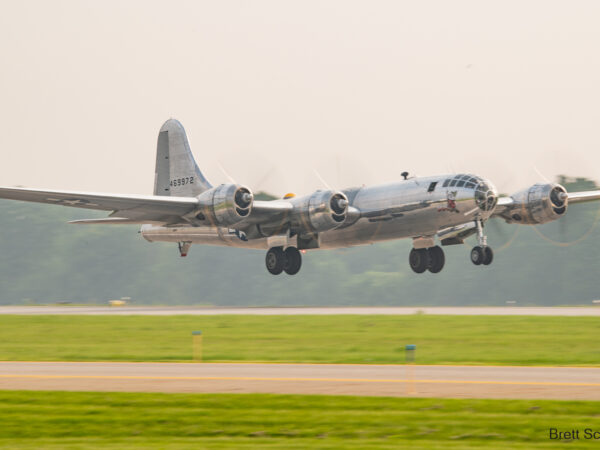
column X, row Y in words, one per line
column 418, row 260
column 477, row 255
column 275, row 260
column 488, row 256
column 293, row 261
column 436, row 259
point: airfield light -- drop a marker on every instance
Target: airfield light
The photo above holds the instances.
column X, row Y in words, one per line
column 197, row 345
column 410, row 353
column 410, row 370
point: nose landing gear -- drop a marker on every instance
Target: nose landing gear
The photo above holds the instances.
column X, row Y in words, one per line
column 481, row 254
column 422, row 259
column 279, row 260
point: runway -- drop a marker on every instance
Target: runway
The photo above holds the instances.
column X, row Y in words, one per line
column 335, row 379
column 271, row 311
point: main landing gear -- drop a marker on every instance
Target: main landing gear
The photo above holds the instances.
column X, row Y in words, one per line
column 279, row 260
column 422, row 259
column 481, row 254
column 432, row 258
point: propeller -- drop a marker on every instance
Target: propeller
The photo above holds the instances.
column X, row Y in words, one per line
column 499, row 230
column 564, row 223
column 563, row 226
column 501, row 239
column 222, row 169
column 322, row 180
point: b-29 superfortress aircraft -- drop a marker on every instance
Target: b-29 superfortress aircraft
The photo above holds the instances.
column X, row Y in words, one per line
column 186, row 209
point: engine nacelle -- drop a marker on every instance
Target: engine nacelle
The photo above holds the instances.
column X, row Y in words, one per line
column 321, row 211
column 225, row 205
column 541, row 203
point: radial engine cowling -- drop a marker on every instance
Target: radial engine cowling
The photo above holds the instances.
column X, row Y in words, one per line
column 225, row 205
column 323, row 210
column 541, row 203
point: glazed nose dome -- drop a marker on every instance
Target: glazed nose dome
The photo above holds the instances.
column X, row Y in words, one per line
column 486, row 195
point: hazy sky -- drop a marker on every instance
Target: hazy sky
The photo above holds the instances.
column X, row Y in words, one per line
column 271, row 90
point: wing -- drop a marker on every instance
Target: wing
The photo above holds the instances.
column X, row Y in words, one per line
column 503, row 204
column 141, row 209
column 580, row 197
column 126, row 208
column 269, row 211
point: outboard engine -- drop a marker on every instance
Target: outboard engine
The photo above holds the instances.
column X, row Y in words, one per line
column 225, row 205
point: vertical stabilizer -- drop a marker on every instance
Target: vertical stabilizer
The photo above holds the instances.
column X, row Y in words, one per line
column 176, row 173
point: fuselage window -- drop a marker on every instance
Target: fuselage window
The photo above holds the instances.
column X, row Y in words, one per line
column 432, row 186
column 446, row 183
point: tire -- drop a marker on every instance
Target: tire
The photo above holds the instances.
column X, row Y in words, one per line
column 477, row 255
column 293, row 261
column 275, row 260
column 488, row 256
column 436, row 259
column 418, row 260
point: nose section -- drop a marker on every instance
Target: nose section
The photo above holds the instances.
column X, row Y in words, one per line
column 486, row 195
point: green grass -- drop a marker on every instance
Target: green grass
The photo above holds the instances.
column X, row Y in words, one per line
column 126, row 420
column 336, row 339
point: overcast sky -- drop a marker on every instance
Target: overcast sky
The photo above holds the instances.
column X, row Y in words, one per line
column 273, row 90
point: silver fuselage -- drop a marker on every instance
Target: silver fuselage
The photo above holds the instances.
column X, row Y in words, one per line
column 402, row 209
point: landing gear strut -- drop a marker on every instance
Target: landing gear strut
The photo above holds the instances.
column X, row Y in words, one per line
column 481, row 254
column 279, row 260
column 422, row 259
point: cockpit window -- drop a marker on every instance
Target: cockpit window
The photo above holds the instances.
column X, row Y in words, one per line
column 462, row 180
column 432, row 186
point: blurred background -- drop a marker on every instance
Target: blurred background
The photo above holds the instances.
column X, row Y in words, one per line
column 273, row 91
column 45, row 260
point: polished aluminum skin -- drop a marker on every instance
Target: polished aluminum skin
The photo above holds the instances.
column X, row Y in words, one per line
column 186, row 208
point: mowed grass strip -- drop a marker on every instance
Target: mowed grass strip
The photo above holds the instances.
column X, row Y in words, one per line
column 503, row 340
column 126, row 420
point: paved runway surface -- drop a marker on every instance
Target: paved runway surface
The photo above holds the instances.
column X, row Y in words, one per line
column 377, row 310
column 374, row 380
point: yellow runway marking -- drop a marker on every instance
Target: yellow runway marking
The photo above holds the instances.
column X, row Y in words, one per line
column 333, row 380
column 291, row 363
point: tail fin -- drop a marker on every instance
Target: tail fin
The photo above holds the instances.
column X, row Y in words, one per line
column 177, row 173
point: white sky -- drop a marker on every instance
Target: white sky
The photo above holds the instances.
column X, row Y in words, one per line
column 359, row 91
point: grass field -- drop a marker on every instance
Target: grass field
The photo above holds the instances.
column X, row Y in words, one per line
column 504, row 340
column 123, row 420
